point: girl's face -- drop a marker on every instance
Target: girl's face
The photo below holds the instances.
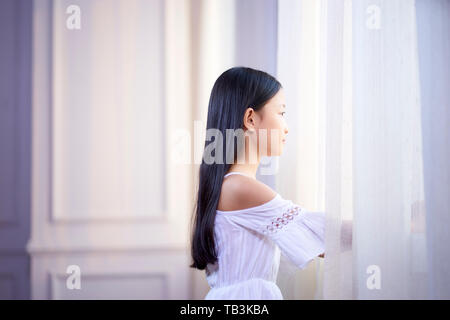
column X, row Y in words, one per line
column 270, row 125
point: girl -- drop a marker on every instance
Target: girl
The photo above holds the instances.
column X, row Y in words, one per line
column 241, row 226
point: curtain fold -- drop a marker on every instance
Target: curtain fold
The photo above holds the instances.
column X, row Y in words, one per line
column 336, row 29
column 399, row 145
column 433, row 33
column 376, row 104
column 387, row 172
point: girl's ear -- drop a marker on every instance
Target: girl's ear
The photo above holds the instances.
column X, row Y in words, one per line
column 249, row 121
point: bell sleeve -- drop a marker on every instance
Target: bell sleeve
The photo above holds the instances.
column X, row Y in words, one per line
column 299, row 233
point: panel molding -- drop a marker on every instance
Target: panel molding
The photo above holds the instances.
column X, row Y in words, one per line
column 53, row 216
column 55, row 277
column 50, row 271
column 136, row 245
column 48, row 250
column 175, row 218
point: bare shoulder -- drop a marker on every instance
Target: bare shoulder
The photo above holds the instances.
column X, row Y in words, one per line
column 240, row 192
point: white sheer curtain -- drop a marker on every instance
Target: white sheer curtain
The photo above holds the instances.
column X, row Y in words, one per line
column 390, row 256
column 367, row 114
column 315, row 69
column 433, row 33
column 336, row 97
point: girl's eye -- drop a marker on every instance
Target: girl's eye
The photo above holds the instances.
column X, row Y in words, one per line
column 282, row 113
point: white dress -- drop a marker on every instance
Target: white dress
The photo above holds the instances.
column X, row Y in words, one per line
column 249, row 243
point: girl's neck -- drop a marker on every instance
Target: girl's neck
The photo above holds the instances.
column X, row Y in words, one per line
column 249, row 169
column 248, row 164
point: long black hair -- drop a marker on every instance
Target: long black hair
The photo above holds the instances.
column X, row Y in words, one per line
column 233, row 92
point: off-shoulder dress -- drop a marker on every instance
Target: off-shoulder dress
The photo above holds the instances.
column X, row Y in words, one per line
column 249, row 243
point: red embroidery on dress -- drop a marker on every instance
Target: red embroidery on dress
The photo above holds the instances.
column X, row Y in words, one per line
column 279, row 222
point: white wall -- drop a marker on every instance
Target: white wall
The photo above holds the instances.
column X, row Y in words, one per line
column 106, row 195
